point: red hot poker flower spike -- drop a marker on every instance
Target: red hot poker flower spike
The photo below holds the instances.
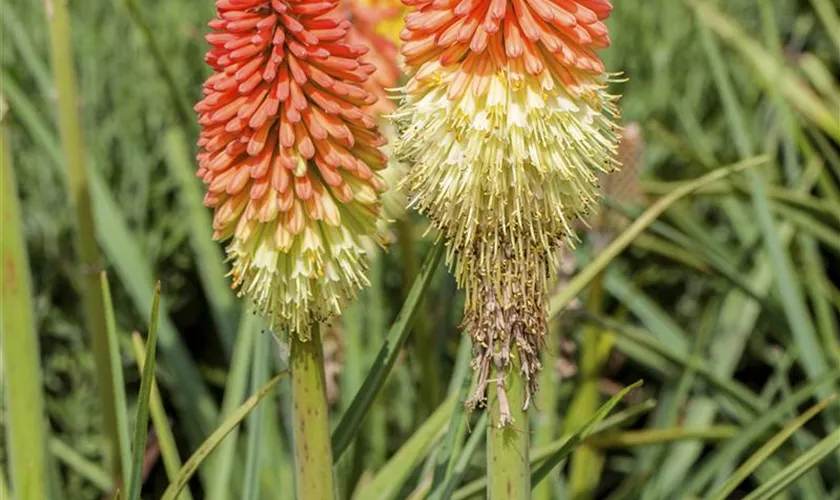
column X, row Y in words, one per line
column 289, row 157
column 507, row 124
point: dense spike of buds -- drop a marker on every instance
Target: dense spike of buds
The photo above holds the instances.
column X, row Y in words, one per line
column 508, row 124
column 290, row 158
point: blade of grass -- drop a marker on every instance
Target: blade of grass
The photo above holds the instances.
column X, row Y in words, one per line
column 821, row 232
column 773, row 74
column 787, row 284
column 15, row 30
column 588, row 273
column 355, row 414
column 235, row 390
column 89, row 260
column 647, row 343
column 814, row 271
column 253, row 450
column 277, row 471
column 192, row 398
column 828, row 16
column 648, row 437
column 391, row 477
column 738, row 318
column 376, row 425
column 430, row 394
column 820, row 76
column 120, row 399
column 723, row 492
column 210, row 444
column 729, row 452
column 166, row 440
column 54, row 486
column 80, row 464
column 447, row 453
column 645, row 308
column 460, row 467
column 23, row 392
column 659, row 246
column 586, row 463
column 141, row 421
column 797, row 468
column 579, row 435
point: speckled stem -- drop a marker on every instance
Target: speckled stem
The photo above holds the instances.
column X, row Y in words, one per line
column 313, row 454
column 508, row 468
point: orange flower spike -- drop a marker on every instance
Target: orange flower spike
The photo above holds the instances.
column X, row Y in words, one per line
column 287, row 154
column 507, row 124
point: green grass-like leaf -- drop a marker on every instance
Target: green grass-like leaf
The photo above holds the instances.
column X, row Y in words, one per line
column 797, row 468
column 23, row 391
column 729, row 452
column 118, row 380
column 355, row 414
column 391, row 477
column 599, row 263
column 195, row 461
column 141, row 422
column 582, row 433
column 166, row 440
column 766, row 450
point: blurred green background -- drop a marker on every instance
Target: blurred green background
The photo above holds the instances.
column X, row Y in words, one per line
column 701, row 304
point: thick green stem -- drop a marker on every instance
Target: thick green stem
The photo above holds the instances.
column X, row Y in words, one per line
column 508, row 467
column 88, row 257
column 313, row 453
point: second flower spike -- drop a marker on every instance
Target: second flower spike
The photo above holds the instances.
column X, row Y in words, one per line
column 507, row 123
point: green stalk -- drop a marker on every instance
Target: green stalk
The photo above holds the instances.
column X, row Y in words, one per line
column 508, row 467
column 89, row 260
column 313, row 453
column 24, row 403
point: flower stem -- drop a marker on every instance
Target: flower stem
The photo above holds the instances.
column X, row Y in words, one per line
column 88, row 258
column 508, row 467
column 313, row 453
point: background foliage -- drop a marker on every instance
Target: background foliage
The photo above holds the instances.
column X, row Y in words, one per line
column 726, row 306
